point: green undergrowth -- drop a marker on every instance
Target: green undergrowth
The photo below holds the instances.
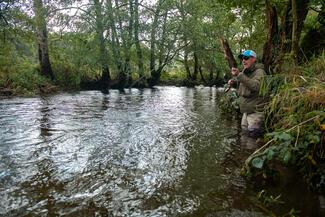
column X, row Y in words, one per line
column 67, row 76
column 295, row 122
column 19, row 72
column 21, row 79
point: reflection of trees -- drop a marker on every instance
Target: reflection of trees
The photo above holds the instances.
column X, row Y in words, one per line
column 105, row 91
column 42, row 187
column 105, row 102
column 46, row 129
column 45, row 124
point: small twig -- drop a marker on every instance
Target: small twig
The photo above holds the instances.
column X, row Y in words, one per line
column 258, row 152
column 302, row 123
column 227, row 89
column 303, row 78
column 298, row 132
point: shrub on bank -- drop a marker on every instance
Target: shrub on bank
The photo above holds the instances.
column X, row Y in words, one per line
column 22, row 79
column 66, row 75
column 174, row 77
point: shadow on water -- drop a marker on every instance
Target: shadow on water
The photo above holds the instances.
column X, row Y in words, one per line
column 151, row 152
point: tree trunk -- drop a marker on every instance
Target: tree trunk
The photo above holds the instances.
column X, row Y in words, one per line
column 163, row 58
column 153, row 40
column 201, row 74
column 285, row 29
column 186, row 65
column 42, row 39
column 129, row 42
column 228, row 53
column 196, row 65
column 302, row 11
column 115, row 41
column 126, row 70
column 272, row 35
column 185, row 35
column 211, row 73
column 309, row 46
column 294, row 38
column 162, row 50
column 137, row 43
column 292, row 23
column 105, row 80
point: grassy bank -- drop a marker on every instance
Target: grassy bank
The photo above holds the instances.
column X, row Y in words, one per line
column 23, row 78
column 295, row 123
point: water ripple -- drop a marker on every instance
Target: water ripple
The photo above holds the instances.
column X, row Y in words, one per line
column 151, row 152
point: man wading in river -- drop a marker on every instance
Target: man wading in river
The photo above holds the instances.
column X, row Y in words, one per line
column 250, row 104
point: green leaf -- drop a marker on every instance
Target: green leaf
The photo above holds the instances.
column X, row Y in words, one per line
column 280, row 136
column 258, row 162
column 269, row 154
column 314, row 139
column 284, row 136
column 287, row 157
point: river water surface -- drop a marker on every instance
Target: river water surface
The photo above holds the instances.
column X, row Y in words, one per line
column 153, row 152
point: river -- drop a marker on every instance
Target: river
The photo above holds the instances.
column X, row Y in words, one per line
column 167, row 151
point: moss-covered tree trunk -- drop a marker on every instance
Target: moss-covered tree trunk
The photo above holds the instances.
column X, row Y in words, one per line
column 272, row 36
column 309, row 46
column 302, row 11
column 292, row 23
column 196, row 64
column 42, row 39
column 294, row 37
column 186, row 64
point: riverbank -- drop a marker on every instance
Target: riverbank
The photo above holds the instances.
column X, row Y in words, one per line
column 295, row 126
column 34, row 87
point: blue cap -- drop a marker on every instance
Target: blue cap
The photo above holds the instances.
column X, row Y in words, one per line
column 247, row 53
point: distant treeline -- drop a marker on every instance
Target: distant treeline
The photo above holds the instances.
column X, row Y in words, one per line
column 123, row 43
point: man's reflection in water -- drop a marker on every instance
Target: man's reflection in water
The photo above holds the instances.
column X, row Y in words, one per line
column 105, row 102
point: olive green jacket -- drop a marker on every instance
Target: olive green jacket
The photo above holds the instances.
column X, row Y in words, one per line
column 249, row 85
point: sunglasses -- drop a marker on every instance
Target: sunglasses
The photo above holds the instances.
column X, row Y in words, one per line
column 245, row 58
